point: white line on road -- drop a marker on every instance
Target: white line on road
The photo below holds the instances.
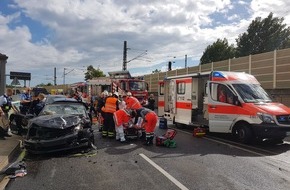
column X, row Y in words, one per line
column 166, row 174
column 227, row 143
column 243, row 149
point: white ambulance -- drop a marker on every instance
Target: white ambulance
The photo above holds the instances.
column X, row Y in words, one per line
column 224, row 102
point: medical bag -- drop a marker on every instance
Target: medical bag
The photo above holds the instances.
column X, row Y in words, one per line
column 199, row 132
column 166, row 139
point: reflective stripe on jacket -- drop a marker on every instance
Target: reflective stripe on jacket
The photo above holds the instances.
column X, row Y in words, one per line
column 110, row 105
column 121, row 117
column 7, row 106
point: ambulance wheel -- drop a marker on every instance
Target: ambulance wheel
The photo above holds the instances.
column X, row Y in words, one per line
column 243, row 133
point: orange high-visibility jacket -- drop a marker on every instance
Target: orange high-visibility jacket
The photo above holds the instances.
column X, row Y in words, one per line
column 121, row 117
column 133, row 103
column 110, row 105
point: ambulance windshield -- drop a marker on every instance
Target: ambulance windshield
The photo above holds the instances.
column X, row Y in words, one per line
column 252, row 93
column 137, row 85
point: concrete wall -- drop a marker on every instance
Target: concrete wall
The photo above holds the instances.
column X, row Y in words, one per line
column 3, row 60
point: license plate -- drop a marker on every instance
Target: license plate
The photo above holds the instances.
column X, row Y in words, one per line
column 288, row 133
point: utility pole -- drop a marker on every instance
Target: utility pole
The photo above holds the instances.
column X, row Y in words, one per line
column 125, row 56
column 64, row 76
column 64, row 73
column 125, row 62
column 185, row 61
column 54, row 76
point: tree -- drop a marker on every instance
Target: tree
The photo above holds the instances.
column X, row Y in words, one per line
column 263, row 36
column 93, row 73
column 156, row 71
column 42, row 84
column 218, row 51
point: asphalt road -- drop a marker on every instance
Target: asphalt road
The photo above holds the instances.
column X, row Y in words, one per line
column 196, row 163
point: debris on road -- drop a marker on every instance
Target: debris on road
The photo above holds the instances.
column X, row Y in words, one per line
column 16, row 169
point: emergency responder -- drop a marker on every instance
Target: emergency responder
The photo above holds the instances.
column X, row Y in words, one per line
column 132, row 102
column 77, row 95
column 37, row 104
column 148, row 121
column 122, row 117
column 151, row 102
column 222, row 95
column 111, row 105
column 25, row 100
column 5, row 106
column 93, row 105
column 99, row 104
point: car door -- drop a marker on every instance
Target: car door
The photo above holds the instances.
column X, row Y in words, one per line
column 222, row 111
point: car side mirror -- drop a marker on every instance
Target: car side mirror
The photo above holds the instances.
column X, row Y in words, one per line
column 236, row 101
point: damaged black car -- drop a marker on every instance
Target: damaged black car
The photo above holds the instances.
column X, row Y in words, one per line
column 62, row 125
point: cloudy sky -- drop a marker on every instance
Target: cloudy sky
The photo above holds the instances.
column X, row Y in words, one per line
column 70, row 35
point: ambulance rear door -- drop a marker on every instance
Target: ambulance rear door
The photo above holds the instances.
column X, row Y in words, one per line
column 161, row 89
column 172, row 96
column 184, row 102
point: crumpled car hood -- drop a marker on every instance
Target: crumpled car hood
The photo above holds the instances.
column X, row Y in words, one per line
column 56, row 121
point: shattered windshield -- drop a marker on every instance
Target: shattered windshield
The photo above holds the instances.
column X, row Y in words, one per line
column 137, row 85
column 252, row 93
column 51, row 109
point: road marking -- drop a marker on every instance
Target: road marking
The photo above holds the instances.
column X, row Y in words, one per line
column 166, row 174
column 244, row 145
column 227, row 143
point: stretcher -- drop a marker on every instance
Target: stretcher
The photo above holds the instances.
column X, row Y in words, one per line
column 131, row 132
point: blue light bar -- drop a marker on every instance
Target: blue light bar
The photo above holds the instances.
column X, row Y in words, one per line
column 217, row 74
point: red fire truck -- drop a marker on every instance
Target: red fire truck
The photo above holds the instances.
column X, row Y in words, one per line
column 121, row 82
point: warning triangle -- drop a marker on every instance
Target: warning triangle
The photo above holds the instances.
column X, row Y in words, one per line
column 15, row 82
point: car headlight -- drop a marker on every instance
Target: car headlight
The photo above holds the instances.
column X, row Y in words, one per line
column 266, row 117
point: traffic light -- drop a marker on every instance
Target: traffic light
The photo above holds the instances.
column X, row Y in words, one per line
column 169, row 65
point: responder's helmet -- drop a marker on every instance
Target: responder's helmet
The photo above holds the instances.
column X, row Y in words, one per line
column 129, row 94
column 116, row 94
column 106, row 93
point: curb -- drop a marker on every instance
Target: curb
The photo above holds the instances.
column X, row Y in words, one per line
column 6, row 159
column 11, row 153
column 4, row 183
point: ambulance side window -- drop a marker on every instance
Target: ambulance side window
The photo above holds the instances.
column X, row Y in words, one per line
column 181, row 88
column 221, row 93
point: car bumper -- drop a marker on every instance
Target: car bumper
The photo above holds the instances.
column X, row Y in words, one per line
column 70, row 141
column 265, row 130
